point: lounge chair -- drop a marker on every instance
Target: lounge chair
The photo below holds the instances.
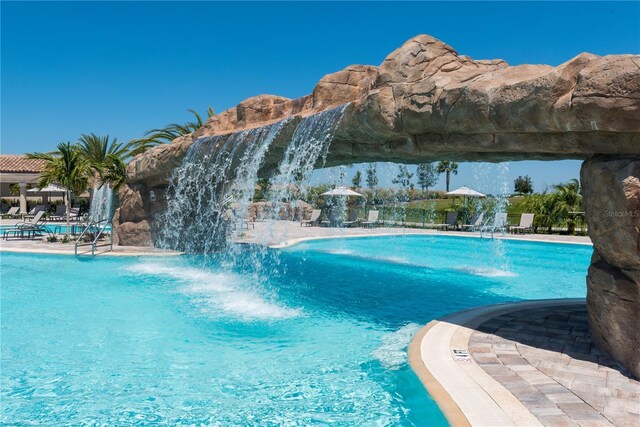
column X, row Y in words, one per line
column 34, row 228
column 230, row 216
column 13, row 212
column 476, row 222
column 251, row 221
column 499, row 224
column 60, row 214
column 372, row 219
column 450, row 222
column 33, row 212
column 353, row 219
column 315, row 217
column 526, row 224
column 36, row 219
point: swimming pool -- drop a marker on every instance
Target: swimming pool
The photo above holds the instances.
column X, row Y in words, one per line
column 58, row 228
column 315, row 334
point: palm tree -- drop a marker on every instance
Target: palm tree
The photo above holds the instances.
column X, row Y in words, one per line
column 169, row 133
column 107, row 159
column 114, row 172
column 567, row 198
column 68, row 167
column 96, row 149
column 552, row 209
column 449, row 168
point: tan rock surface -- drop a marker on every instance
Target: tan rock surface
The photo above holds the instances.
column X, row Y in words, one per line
column 613, row 303
column 426, row 102
column 611, row 190
column 133, row 233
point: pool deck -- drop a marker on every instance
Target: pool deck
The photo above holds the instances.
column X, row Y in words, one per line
column 275, row 234
column 41, row 246
column 279, row 234
column 526, row 363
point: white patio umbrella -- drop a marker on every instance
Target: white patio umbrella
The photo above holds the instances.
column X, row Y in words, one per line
column 51, row 188
column 342, row 191
column 466, row 191
column 55, row 188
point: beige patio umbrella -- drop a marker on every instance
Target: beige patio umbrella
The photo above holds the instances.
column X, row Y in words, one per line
column 342, row 191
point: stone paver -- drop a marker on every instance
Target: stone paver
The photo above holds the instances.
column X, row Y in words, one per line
column 544, row 356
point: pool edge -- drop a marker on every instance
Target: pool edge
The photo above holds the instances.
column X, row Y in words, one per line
column 501, row 407
column 296, row 241
column 438, row 393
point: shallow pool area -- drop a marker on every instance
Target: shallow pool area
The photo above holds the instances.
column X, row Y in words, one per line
column 313, row 334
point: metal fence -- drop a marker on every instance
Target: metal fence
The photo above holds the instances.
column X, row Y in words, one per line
column 424, row 218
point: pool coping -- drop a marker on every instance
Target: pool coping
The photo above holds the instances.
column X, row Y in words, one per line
column 117, row 253
column 296, row 241
column 144, row 251
column 464, row 392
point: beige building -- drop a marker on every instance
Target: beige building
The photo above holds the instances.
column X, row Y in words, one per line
column 17, row 169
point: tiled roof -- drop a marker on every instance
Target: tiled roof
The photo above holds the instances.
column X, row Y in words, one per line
column 16, row 163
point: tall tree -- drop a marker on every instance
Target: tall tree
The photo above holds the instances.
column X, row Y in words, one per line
column 403, row 178
column 68, row 167
column 523, row 184
column 447, row 168
column 372, row 176
column 357, row 180
column 427, row 176
column 170, row 132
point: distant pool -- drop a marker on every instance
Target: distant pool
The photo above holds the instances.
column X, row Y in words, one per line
column 56, row 228
column 314, row 334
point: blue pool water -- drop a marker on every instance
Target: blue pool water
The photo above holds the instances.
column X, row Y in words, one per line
column 315, row 334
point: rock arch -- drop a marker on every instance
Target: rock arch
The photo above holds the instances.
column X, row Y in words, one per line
column 426, row 102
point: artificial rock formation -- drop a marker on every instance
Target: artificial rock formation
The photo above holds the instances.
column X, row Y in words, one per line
column 611, row 190
column 426, row 102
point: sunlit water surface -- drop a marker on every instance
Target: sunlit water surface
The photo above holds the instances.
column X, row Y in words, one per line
column 316, row 335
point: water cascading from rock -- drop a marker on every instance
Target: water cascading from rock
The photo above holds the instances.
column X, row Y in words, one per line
column 308, row 148
column 102, row 203
column 209, row 193
column 209, row 196
column 310, row 144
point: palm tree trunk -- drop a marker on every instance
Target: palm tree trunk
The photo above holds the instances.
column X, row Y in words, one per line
column 448, row 179
column 67, row 205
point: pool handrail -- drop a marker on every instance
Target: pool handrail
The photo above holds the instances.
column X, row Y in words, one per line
column 101, row 228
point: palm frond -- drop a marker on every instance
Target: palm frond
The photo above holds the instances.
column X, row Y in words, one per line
column 166, row 134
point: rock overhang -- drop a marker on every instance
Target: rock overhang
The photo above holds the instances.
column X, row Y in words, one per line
column 426, row 102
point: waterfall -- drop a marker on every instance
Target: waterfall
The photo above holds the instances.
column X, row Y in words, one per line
column 310, row 143
column 216, row 172
column 209, row 194
column 309, row 146
column 102, row 203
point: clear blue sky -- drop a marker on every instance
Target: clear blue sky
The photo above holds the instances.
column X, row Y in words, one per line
column 122, row 68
